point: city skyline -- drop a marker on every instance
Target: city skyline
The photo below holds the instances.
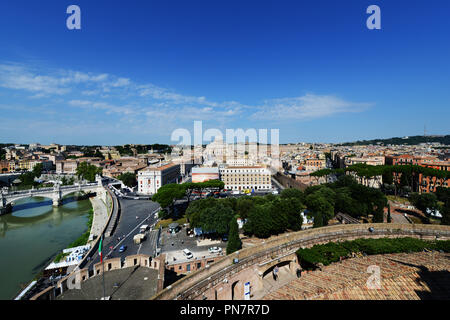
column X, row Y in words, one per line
column 318, row 75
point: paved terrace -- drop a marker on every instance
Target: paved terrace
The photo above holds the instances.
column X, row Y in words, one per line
column 413, row 276
column 195, row 284
column 134, row 283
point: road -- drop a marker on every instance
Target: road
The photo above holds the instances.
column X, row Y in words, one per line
column 128, row 225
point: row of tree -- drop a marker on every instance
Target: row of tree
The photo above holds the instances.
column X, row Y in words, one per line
column 168, row 193
column 409, row 174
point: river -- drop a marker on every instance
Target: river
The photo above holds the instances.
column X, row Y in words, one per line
column 33, row 234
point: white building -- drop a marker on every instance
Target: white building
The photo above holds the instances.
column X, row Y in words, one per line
column 151, row 179
column 246, row 178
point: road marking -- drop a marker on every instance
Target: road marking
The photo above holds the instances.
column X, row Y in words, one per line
column 138, row 225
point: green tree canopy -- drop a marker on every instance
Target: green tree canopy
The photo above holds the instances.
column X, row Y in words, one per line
column 234, row 242
column 88, row 171
column 128, row 179
column 424, row 201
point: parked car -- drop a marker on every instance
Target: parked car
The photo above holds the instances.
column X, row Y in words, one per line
column 225, row 237
column 188, row 254
column 215, row 249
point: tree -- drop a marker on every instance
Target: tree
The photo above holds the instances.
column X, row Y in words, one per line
column 98, row 154
column 446, row 213
column 128, row 179
column 234, row 242
column 88, row 171
column 389, row 218
column 168, row 193
column 424, row 201
column 388, row 177
column 378, row 216
column 259, row 222
column 318, row 220
column 216, row 219
column 244, row 206
column 318, row 204
column 292, row 193
column 290, row 209
column 37, row 170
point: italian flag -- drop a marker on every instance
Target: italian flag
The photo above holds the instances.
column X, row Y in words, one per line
column 100, row 249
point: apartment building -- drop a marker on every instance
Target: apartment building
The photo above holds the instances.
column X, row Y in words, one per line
column 4, row 166
column 426, row 184
column 151, row 179
column 246, row 177
column 314, row 164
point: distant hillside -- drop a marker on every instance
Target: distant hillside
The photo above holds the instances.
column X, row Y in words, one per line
column 409, row 140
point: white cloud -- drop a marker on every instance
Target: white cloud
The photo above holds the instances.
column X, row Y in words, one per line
column 147, row 101
column 306, row 107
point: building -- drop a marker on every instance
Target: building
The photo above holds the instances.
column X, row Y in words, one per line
column 246, row 178
column 66, row 166
column 371, row 161
column 151, row 179
column 425, row 184
column 205, row 174
column 314, row 164
column 4, row 166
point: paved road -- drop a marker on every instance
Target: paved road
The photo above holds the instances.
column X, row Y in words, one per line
column 128, row 226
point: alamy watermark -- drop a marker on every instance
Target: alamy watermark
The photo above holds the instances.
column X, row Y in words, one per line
column 374, row 281
column 73, row 22
column 238, row 143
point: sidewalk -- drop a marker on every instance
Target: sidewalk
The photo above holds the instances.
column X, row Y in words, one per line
column 100, row 217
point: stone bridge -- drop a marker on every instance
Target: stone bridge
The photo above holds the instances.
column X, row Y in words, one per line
column 56, row 193
column 225, row 278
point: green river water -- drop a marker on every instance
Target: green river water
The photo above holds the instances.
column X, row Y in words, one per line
column 32, row 235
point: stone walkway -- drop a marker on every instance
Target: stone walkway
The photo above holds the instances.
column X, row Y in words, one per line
column 414, row 276
column 100, row 217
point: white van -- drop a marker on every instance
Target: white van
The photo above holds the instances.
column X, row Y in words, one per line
column 187, row 253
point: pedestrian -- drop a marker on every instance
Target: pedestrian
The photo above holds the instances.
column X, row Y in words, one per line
column 275, row 273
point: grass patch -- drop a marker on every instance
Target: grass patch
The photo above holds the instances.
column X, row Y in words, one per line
column 398, row 199
column 332, row 252
column 60, row 257
column 83, row 239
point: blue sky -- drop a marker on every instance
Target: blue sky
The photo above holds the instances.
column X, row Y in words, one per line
column 137, row 70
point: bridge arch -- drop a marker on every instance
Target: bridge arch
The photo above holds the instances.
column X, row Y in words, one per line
column 26, row 196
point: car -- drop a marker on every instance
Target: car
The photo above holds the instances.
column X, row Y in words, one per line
column 225, row 237
column 122, row 248
column 215, row 249
column 188, row 254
